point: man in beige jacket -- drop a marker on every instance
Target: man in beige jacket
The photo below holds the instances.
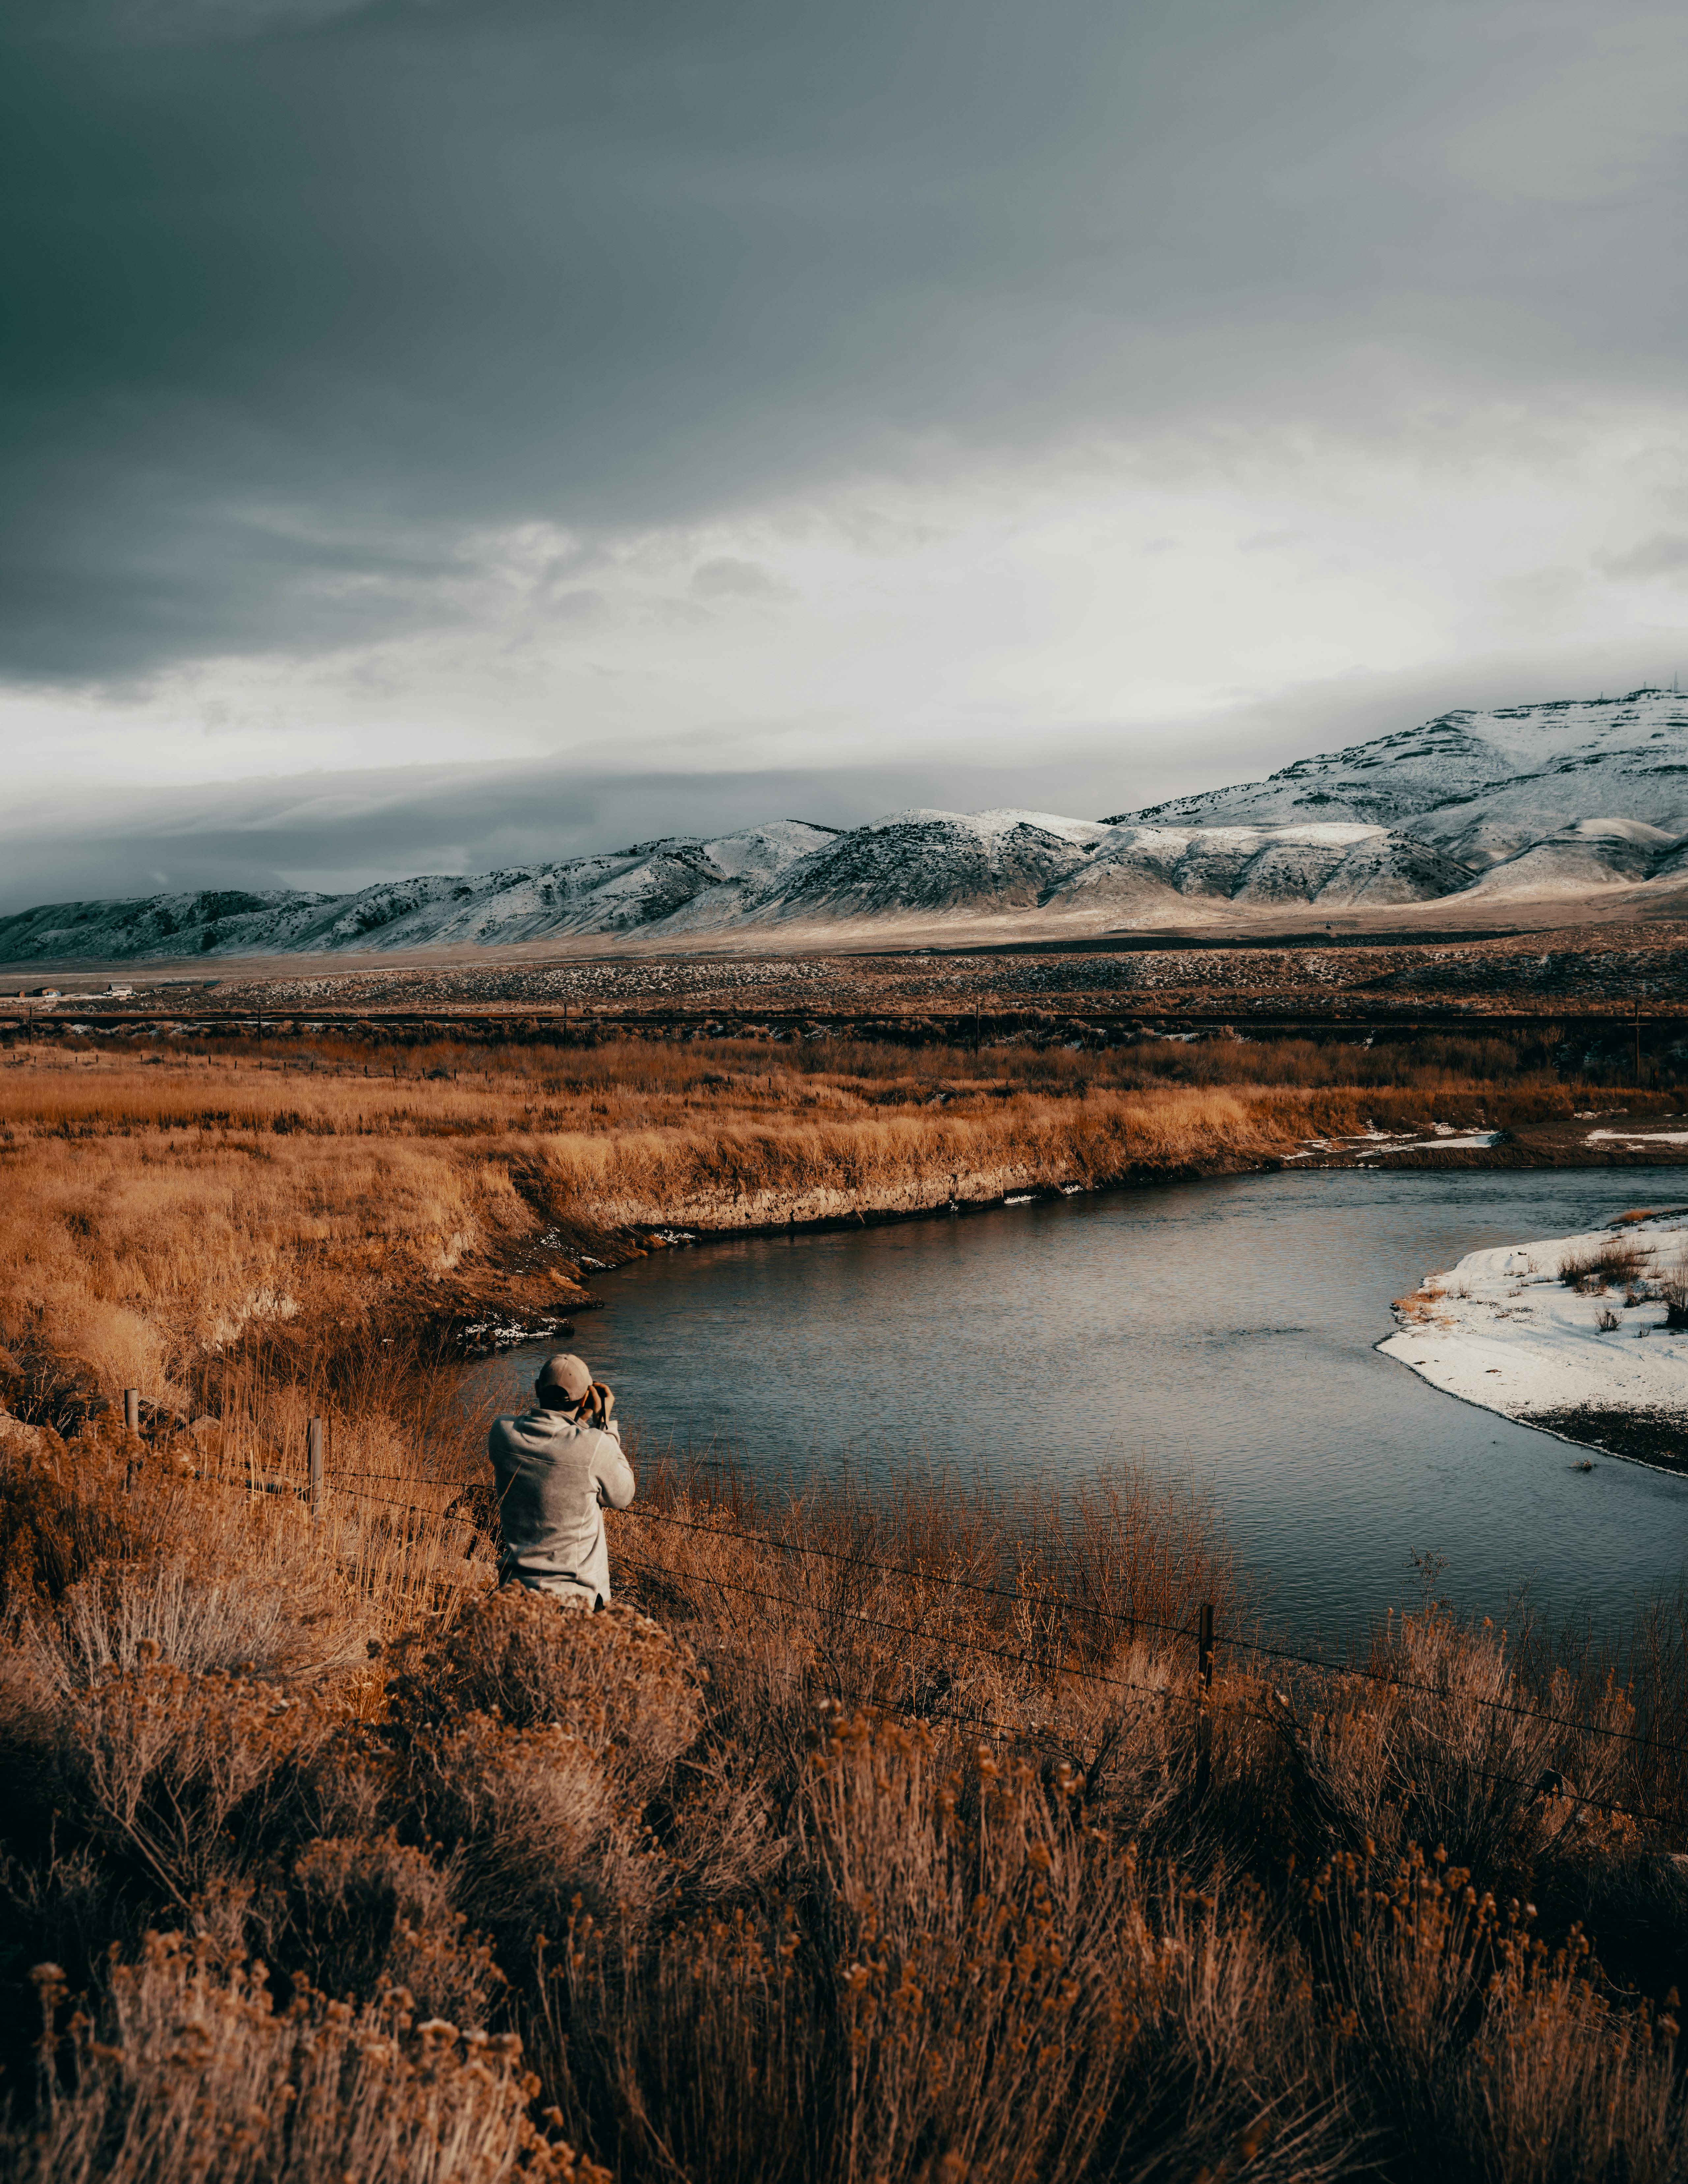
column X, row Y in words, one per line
column 557, row 1467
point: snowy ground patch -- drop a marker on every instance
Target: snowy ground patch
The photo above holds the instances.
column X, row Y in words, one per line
column 1373, row 1143
column 1505, row 1328
column 1445, row 1139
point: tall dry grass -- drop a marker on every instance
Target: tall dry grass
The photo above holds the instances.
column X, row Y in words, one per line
column 858, row 1840
column 153, row 1215
column 159, row 1210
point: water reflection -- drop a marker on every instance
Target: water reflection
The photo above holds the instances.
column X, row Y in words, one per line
column 1219, row 1332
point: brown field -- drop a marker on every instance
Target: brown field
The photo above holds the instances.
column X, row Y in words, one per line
column 156, row 1209
column 860, row 1840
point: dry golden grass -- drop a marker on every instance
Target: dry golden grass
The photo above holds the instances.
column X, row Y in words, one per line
column 860, row 1840
column 150, row 1213
column 155, row 1210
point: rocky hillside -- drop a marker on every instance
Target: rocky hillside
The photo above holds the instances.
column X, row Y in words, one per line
column 1485, row 788
column 1525, row 802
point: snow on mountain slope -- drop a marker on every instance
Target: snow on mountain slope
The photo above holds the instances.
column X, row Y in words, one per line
column 933, row 860
column 160, row 925
column 762, row 853
column 1337, row 862
column 1482, row 786
column 614, row 892
column 1596, row 855
column 1568, row 799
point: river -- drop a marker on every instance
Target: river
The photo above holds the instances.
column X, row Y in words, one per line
column 1219, row 1334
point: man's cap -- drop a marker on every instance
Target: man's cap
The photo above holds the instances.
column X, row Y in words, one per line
column 567, row 1372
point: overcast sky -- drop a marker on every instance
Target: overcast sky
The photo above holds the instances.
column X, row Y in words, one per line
column 667, row 414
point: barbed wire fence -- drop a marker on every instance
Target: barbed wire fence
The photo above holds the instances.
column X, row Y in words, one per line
column 472, row 1504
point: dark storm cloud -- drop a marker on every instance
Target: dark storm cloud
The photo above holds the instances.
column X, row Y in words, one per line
column 297, row 293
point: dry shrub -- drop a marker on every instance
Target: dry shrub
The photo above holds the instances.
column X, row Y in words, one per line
column 362, row 1915
column 623, row 1686
column 960, row 1605
column 157, row 1763
column 109, row 1544
column 61, row 1511
column 1673, row 1289
column 1608, row 1266
column 532, row 1821
column 990, row 1964
column 1441, row 1744
column 960, row 1977
column 535, row 1735
column 187, row 2070
column 191, row 1610
column 1421, row 1308
column 1479, row 2040
column 697, row 2051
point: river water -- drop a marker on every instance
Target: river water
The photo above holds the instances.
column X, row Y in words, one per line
column 1217, row 1333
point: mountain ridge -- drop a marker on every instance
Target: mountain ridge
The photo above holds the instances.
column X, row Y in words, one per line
column 1569, row 797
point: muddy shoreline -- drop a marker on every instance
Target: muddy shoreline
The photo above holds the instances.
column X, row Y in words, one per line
column 1656, row 1438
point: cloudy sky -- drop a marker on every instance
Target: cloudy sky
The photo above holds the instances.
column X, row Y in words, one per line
column 442, row 432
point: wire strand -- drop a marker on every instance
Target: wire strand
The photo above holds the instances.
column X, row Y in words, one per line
column 909, row 1631
column 897, row 1569
column 1640, row 1741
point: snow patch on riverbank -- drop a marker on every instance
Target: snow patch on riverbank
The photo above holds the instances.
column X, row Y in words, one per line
column 1503, row 1330
column 1371, row 1144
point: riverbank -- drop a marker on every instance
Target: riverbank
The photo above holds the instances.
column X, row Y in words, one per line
column 320, row 1198
column 1585, row 1335
column 159, row 1213
column 689, row 1868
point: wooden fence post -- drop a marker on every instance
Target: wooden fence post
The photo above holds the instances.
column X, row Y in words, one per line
column 314, row 1457
column 1204, row 1720
column 131, row 1419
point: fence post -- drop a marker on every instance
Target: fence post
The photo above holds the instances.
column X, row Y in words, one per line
column 1204, row 1720
column 131, row 1420
column 313, row 1443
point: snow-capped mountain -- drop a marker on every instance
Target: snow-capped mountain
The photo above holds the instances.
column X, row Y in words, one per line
column 1525, row 802
column 1329, row 861
column 918, row 862
column 650, row 884
column 1483, row 787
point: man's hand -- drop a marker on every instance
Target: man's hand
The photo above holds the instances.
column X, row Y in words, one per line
column 602, row 1401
